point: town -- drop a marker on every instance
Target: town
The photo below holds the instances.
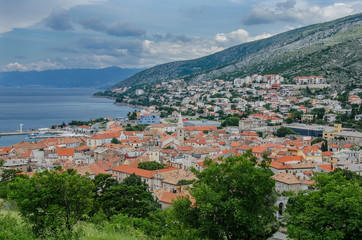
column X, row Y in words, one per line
column 303, row 125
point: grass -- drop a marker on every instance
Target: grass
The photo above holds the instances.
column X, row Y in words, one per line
column 14, row 227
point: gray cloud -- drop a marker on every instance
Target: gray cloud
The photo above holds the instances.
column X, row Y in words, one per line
column 93, row 24
column 119, row 29
column 260, row 16
column 59, row 19
column 286, row 5
column 171, row 37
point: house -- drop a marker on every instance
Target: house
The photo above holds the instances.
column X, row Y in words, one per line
column 65, row 153
column 330, row 117
column 286, row 182
column 100, row 139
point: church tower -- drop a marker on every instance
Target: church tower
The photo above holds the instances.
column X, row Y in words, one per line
column 180, row 131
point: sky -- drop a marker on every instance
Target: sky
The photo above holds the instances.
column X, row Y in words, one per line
column 60, row 34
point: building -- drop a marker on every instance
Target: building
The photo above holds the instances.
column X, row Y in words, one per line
column 330, row 117
column 180, row 131
column 202, row 123
column 331, row 132
column 309, row 80
column 307, row 117
column 286, row 182
column 147, row 119
column 309, row 130
column 249, row 123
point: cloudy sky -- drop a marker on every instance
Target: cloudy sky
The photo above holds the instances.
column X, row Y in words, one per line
column 56, row 34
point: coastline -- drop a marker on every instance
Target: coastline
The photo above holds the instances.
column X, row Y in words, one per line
column 120, row 104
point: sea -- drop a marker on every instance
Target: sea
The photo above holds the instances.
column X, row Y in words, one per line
column 43, row 107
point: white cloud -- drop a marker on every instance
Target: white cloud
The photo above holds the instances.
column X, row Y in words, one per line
column 15, row 66
column 300, row 12
column 99, row 53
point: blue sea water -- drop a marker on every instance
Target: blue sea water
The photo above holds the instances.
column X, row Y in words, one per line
column 44, row 107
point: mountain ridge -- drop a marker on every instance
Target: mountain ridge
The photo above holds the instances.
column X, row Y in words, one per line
column 63, row 78
column 273, row 55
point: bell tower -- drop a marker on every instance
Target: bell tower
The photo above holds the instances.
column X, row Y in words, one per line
column 180, row 131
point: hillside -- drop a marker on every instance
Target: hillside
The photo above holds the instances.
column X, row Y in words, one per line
column 67, row 78
column 332, row 49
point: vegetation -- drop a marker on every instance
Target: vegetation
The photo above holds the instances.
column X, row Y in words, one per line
column 318, row 140
column 283, row 131
column 151, row 166
column 138, row 127
column 332, row 211
column 330, row 49
column 53, row 201
column 87, row 123
column 184, row 182
column 115, row 141
column 231, row 121
column 132, row 115
column 229, row 203
column 7, row 177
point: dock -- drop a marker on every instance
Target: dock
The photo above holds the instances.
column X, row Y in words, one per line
column 15, row 133
column 30, row 133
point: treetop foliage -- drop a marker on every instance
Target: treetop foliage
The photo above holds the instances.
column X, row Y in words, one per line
column 151, row 166
column 332, row 211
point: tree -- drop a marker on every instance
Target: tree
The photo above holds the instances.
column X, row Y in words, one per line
column 283, row 131
column 231, row 121
column 132, row 200
column 324, row 147
column 115, row 141
column 332, row 211
column 151, row 166
column 229, row 202
column 289, row 120
column 7, row 176
column 317, row 140
column 53, row 201
column 132, row 115
column 134, row 180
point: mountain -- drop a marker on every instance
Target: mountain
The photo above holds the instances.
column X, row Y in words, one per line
column 67, row 78
column 332, row 49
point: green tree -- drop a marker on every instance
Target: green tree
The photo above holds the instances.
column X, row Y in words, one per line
column 132, row 115
column 151, row 166
column 134, row 201
column 318, row 140
column 115, row 141
column 231, row 121
column 283, row 131
column 229, row 202
column 53, row 201
column 134, row 180
column 289, row 120
column 324, row 147
column 296, row 114
column 7, row 176
column 332, row 211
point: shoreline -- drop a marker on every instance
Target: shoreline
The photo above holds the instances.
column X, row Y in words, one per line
column 120, row 104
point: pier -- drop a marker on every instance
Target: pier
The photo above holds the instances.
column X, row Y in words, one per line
column 16, row 133
column 35, row 132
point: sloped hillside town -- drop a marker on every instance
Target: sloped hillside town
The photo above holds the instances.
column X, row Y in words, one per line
column 304, row 128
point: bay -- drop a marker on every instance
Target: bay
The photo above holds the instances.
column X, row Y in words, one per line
column 44, row 107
